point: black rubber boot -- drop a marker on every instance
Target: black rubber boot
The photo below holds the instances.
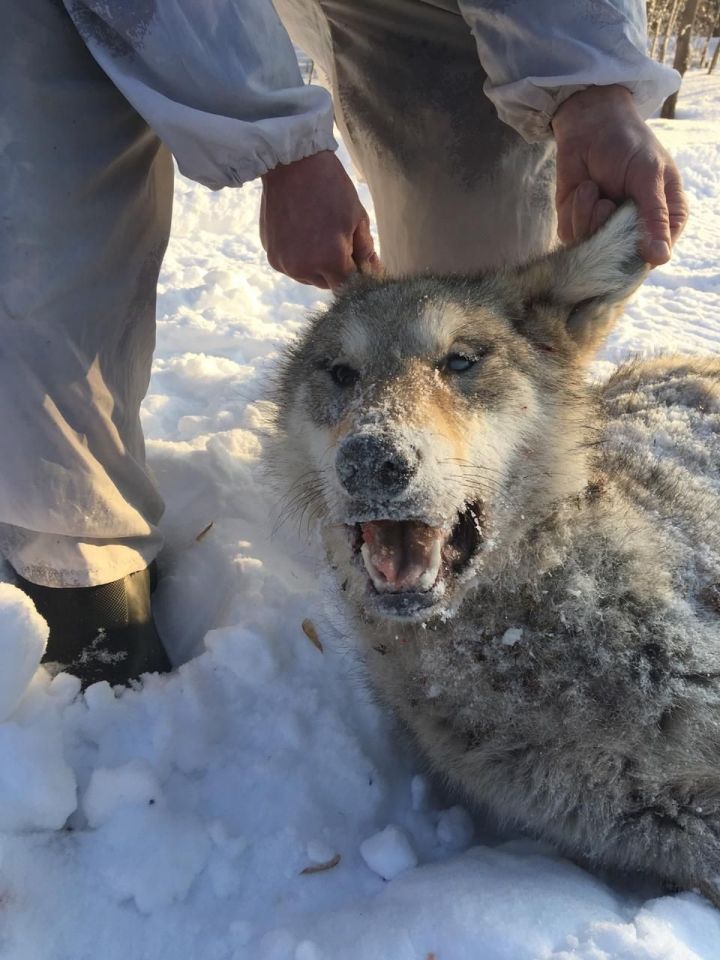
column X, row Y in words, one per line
column 101, row 633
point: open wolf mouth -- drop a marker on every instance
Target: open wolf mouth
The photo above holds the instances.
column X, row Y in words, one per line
column 410, row 563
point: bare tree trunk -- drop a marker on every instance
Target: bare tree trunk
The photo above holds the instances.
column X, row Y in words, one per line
column 674, row 10
column 703, row 53
column 713, row 62
column 655, row 15
column 711, row 33
column 682, row 53
column 712, row 22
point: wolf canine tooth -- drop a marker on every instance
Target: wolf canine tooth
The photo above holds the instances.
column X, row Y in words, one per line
column 379, row 581
column 429, row 576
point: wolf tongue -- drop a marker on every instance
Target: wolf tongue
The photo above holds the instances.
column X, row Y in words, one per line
column 404, row 552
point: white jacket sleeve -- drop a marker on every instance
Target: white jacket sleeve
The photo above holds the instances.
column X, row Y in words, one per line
column 538, row 53
column 217, row 80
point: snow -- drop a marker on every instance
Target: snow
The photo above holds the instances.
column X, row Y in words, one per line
column 110, row 788
column 37, row 786
column 150, row 854
column 23, row 637
column 388, row 853
column 511, row 636
column 180, row 818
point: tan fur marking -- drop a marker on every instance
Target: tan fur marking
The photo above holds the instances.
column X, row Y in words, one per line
column 341, row 430
column 419, row 398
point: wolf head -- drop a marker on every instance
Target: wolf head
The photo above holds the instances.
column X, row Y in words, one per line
column 422, row 423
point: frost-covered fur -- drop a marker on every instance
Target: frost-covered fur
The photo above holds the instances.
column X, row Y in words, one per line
column 567, row 676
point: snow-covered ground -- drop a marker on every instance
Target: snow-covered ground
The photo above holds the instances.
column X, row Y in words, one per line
column 256, row 803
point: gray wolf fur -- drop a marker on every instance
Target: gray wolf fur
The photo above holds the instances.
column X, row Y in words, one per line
column 529, row 564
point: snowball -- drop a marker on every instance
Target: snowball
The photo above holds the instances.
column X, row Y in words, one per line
column 99, row 696
column 319, row 852
column 64, row 687
column 455, row 828
column 23, row 638
column 388, row 853
column 37, row 787
column 109, row 788
column 511, row 636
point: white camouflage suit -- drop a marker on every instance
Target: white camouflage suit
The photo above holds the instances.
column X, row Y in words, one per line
column 96, row 96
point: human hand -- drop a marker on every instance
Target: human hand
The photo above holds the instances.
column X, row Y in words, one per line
column 312, row 224
column 606, row 153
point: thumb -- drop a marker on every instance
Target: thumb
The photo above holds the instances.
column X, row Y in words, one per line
column 363, row 251
column 649, row 194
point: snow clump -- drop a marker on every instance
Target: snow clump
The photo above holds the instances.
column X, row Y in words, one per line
column 23, row 638
column 388, row 853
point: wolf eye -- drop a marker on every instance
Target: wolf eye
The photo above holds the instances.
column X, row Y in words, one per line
column 459, row 362
column 343, row 376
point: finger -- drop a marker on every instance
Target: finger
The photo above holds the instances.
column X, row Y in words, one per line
column 676, row 202
column 326, row 267
column 372, row 268
column 649, row 194
column 362, row 242
column 366, row 259
column 584, row 200
column 603, row 210
column 339, row 266
column 571, row 171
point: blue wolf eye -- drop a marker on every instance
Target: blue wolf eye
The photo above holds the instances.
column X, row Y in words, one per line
column 343, row 376
column 459, row 362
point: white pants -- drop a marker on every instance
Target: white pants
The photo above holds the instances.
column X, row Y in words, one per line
column 85, row 197
column 86, row 193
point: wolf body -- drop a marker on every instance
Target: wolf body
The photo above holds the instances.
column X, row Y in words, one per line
column 528, row 564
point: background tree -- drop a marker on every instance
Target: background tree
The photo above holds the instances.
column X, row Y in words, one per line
column 707, row 24
column 682, row 52
column 713, row 62
column 668, row 27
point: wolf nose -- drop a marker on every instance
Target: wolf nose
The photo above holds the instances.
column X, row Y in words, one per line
column 369, row 464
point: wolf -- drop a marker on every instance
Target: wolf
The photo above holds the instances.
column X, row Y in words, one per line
column 528, row 562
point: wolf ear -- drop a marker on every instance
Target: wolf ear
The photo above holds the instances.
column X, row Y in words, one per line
column 573, row 296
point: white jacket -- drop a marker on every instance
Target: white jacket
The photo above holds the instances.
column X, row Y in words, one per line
column 218, row 80
column 537, row 53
